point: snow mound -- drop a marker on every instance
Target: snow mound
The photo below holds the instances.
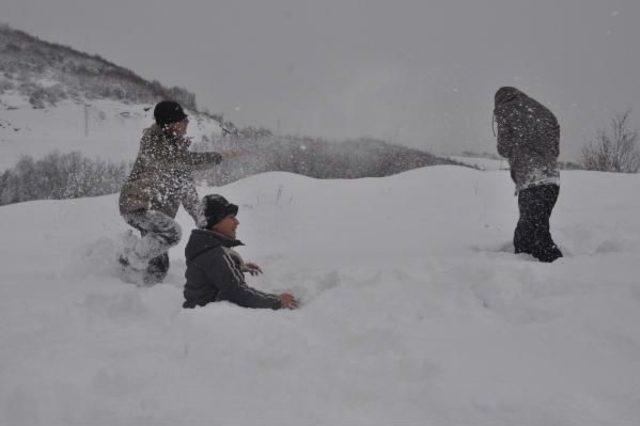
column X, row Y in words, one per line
column 414, row 310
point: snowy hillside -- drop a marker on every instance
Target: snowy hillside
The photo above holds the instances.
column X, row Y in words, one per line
column 99, row 128
column 53, row 97
column 414, row 312
column 482, row 163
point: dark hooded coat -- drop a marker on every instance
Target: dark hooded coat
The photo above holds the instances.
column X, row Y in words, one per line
column 529, row 137
column 216, row 272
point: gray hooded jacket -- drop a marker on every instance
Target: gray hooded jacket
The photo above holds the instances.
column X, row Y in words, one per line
column 529, row 137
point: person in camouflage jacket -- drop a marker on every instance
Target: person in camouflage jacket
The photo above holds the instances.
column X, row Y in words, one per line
column 159, row 182
column 529, row 137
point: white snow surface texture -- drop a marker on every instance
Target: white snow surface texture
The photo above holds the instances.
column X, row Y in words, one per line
column 414, row 310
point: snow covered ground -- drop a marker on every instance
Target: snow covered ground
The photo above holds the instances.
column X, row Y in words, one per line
column 414, row 311
column 105, row 129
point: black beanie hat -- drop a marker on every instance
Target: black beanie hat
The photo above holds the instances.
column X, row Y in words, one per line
column 167, row 112
column 216, row 207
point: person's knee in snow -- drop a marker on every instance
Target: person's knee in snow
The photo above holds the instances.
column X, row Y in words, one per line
column 172, row 235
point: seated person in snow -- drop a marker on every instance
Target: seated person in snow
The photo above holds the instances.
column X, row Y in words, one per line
column 215, row 271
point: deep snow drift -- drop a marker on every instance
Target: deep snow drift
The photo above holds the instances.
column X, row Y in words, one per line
column 414, row 312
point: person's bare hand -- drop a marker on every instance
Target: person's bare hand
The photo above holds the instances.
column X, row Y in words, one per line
column 253, row 268
column 287, row 301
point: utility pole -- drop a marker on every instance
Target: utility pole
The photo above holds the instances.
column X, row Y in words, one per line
column 86, row 120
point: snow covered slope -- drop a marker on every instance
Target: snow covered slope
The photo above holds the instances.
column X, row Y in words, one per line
column 99, row 128
column 414, row 312
column 482, row 163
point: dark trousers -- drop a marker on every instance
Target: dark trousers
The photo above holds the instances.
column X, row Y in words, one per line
column 532, row 234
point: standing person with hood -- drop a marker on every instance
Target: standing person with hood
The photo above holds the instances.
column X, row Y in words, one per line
column 529, row 137
column 159, row 182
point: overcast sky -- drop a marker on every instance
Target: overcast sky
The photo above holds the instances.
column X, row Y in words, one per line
column 420, row 73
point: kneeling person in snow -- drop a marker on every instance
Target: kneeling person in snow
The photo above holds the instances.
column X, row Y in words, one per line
column 159, row 182
column 215, row 271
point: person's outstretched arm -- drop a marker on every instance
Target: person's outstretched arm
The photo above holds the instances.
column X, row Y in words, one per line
column 229, row 279
column 205, row 160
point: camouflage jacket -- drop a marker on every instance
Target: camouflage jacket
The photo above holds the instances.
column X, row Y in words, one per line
column 161, row 177
column 529, row 137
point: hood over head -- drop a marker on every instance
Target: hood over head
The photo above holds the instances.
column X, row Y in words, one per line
column 507, row 94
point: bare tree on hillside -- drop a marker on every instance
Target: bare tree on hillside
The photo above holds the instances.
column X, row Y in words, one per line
column 615, row 150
